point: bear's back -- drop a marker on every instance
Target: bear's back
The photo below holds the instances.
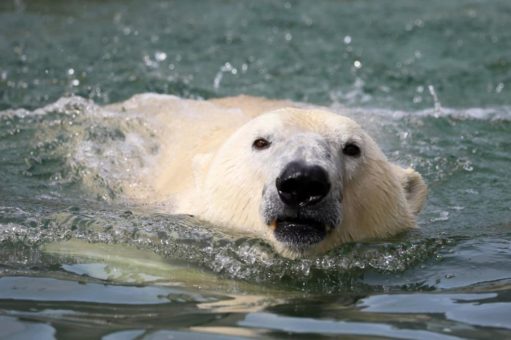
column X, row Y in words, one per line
column 188, row 131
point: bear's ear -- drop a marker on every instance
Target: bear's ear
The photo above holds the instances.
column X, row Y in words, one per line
column 200, row 165
column 414, row 187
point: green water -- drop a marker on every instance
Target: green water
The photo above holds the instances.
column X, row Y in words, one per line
column 145, row 274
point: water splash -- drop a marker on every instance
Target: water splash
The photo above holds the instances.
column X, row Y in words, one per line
column 436, row 101
column 76, row 155
column 184, row 240
column 75, row 142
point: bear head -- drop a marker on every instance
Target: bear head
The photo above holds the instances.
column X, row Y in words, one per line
column 307, row 180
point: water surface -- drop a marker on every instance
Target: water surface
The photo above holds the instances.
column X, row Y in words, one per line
column 430, row 81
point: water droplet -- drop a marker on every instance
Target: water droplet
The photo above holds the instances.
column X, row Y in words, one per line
column 288, row 36
column 438, row 106
column 149, row 62
column 307, row 20
column 70, row 72
column 226, row 68
column 442, row 216
column 75, row 82
column 385, row 89
column 357, row 64
column 160, row 56
column 347, row 40
column 467, row 166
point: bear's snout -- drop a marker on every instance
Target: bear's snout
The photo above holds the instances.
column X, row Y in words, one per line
column 301, row 185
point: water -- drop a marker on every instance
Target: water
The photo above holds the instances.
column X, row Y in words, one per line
column 431, row 82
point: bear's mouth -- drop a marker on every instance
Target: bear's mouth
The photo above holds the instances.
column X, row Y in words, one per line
column 299, row 232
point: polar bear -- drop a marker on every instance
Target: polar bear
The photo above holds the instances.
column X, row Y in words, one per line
column 303, row 178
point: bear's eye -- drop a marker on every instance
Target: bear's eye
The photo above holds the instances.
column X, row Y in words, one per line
column 261, row 144
column 351, row 149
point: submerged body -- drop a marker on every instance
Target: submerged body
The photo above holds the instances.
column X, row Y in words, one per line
column 303, row 178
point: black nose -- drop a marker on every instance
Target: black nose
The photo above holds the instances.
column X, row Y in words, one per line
column 300, row 184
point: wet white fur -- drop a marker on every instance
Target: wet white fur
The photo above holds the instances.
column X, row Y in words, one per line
column 209, row 168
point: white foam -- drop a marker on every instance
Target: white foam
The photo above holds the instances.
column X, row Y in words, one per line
column 67, row 105
column 497, row 113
